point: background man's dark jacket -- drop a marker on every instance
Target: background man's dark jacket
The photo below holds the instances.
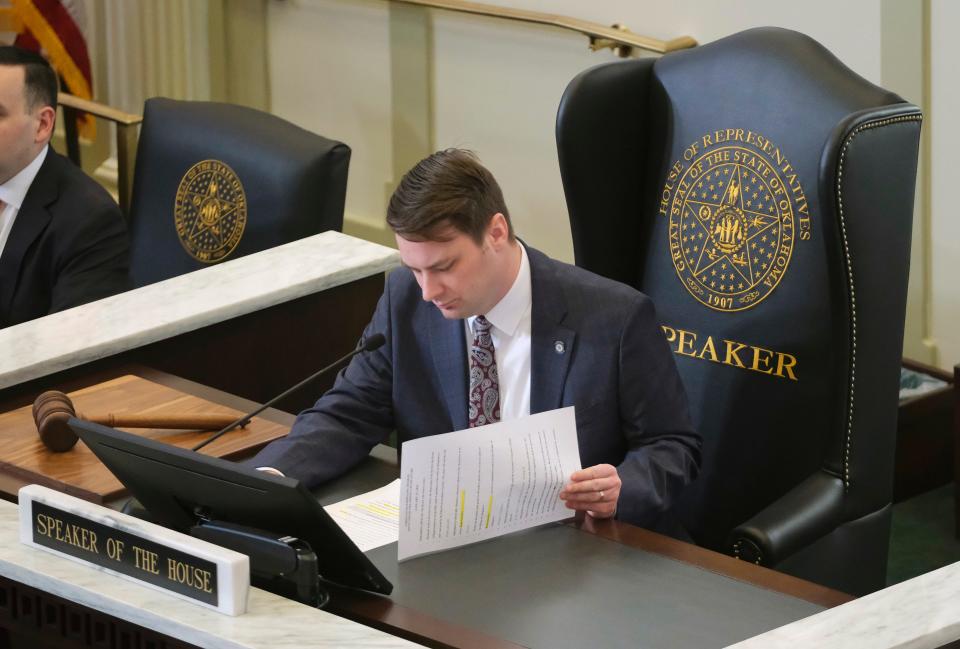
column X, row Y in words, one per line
column 68, row 245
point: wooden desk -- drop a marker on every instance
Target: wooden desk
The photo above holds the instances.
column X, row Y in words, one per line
column 588, row 583
column 54, row 601
column 25, row 460
column 606, row 582
column 50, row 601
column 277, row 421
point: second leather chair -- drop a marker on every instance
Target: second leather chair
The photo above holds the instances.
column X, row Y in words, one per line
column 217, row 181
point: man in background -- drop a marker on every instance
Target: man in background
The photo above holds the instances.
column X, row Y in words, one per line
column 63, row 240
column 480, row 327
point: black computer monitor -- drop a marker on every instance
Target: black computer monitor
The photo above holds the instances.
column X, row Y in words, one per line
column 180, row 488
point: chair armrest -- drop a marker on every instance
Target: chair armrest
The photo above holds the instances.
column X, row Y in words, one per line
column 807, row 512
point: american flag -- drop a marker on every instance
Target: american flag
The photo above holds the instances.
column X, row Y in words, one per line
column 57, row 29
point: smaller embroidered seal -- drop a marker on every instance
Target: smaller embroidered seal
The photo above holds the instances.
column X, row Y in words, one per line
column 210, row 212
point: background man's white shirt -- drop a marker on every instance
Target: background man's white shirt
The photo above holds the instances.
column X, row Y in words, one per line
column 12, row 194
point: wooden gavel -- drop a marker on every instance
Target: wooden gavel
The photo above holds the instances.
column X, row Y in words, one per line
column 53, row 408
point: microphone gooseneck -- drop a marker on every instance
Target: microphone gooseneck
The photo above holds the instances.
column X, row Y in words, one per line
column 370, row 343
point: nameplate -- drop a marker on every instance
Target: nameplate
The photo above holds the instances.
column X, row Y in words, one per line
column 149, row 554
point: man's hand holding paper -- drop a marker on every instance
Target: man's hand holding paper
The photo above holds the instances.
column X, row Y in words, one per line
column 594, row 490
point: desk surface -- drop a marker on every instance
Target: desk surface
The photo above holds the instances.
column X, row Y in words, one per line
column 597, row 584
column 605, row 584
column 186, row 303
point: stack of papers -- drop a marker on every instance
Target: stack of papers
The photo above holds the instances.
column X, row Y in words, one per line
column 468, row 486
column 371, row 519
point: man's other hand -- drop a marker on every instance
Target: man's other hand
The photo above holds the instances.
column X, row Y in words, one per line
column 594, row 490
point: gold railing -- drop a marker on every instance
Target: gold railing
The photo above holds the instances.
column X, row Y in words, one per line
column 617, row 37
column 127, row 131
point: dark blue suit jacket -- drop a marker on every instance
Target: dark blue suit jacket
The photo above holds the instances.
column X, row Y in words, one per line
column 614, row 365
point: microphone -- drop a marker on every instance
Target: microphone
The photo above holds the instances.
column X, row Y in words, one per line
column 369, row 344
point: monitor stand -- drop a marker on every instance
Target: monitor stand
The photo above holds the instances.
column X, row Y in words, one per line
column 283, row 565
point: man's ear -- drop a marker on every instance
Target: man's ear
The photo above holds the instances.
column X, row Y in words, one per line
column 498, row 230
column 47, row 118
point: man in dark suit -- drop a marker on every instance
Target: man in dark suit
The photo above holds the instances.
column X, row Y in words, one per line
column 63, row 240
column 480, row 327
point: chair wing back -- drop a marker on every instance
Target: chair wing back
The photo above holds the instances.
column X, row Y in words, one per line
column 218, row 181
column 762, row 194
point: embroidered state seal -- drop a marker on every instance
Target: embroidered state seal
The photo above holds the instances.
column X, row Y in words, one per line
column 734, row 209
column 210, row 212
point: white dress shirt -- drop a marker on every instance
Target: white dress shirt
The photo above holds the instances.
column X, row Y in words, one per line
column 12, row 194
column 511, row 319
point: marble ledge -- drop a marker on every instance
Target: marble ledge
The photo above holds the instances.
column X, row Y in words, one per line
column 185, row 303
column 920, row 613
column 271, row 622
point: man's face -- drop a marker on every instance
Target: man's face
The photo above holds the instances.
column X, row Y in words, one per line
column 21, row 129
column 461, row 278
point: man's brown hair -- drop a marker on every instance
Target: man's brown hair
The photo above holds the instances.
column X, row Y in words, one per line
column 449, row 188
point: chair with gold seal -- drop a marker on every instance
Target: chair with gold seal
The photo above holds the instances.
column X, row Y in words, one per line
column 217, row 181
column 761, row 193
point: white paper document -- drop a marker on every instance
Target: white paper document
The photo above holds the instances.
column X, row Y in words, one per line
column 371, row 519
column 480, row 483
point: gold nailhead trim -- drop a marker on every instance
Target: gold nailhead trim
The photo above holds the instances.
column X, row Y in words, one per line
column 853, row 299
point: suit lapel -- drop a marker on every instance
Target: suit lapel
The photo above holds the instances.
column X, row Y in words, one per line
column 551, row 344
column 31, row 221
column 449, row 347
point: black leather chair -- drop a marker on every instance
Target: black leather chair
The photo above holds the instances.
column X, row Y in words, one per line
column 762, row 194
column 218, row 181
